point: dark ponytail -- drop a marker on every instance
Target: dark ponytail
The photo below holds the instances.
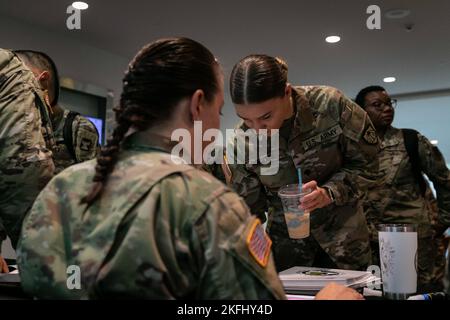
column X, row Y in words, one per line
column 258, row 78
column 161, row 74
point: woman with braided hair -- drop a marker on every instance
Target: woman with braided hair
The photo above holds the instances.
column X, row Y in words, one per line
column 140, row 223
column 135, row 223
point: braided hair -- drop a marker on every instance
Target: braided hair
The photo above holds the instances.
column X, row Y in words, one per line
column 159, row 76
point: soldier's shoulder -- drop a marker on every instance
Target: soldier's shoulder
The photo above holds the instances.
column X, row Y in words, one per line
column 408, row 132
column 321, row 92
column 5, row 57
column 177, row 173
column 324, row 99
column 82, row 123
column 203, row 187
column 73, row 174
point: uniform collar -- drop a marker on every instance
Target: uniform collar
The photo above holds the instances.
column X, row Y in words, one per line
column 304, row 119
column 148, row 140
column 392, row 137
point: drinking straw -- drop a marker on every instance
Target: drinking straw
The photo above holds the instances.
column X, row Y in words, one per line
column 299, row 175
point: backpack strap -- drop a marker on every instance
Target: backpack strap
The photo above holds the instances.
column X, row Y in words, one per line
column 68, row 132
column 412, row 148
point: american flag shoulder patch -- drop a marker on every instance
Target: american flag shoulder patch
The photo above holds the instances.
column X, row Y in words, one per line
column 259, row 243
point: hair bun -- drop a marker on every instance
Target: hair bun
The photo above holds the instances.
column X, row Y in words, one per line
column 283, row 64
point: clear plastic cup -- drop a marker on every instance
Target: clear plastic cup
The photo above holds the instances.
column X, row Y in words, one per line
column 297, row 220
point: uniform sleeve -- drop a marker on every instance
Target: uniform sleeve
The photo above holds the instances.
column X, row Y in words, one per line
column 26, row 163
column 237, row 251
column 217, row 170
column 85, row 138
column 360, row 146
column 248, row 185
column 41, row 256
column 435, row 167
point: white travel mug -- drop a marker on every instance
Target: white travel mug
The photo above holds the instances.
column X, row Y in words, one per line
column 398, row 259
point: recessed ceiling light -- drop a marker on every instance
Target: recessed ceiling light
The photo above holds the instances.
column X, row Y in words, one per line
column 434, row 142
column 389, row 79
column 332, row 39
column 397, row 13
column 80, row 5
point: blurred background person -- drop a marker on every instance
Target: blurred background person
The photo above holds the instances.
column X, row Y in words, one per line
column 26, row 142
column 76, row 137
column 402, row 195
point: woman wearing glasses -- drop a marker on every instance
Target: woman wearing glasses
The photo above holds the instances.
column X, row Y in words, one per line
column 402, row 195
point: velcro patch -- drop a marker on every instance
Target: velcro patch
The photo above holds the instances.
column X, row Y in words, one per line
column 370, row 135
column 259, row 243
column 85, row 144
column 226, row 170
column 325, row 135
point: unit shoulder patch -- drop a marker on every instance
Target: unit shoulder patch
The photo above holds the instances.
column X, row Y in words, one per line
column 370, row 135
column 259, row 243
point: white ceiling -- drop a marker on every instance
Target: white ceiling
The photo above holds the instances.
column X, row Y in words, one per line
column 295, row 30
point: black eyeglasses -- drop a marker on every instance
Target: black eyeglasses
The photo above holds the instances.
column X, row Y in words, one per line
column 379, row 105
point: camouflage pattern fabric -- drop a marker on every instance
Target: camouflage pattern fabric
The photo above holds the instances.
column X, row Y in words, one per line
column 397, row 198
column 26, row 141
column 85, row 142
column 334, row 142
column 160, row 230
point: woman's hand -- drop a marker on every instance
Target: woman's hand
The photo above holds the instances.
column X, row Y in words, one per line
column 318, row 198
column 3, row 265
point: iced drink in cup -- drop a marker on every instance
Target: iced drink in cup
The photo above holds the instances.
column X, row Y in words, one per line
column 297, row 220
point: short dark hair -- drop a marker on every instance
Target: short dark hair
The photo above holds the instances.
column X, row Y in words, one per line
column 361, row 96
column 42, row 61
column 257, row 78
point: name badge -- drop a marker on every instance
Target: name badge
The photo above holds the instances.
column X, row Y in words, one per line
column 322, row 137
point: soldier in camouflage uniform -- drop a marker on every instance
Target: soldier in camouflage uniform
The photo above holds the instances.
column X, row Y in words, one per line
column 330, row 139
column 84, row 145
column 26, row 142
column 439, row 245
column 151, row 226
column 397, row 197
column 80, row 143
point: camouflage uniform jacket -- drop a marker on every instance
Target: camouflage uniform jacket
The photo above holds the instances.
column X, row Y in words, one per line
column 26, row 141
column 160, row 230
column 85, row 142
column 334, row 142
column 397, row 196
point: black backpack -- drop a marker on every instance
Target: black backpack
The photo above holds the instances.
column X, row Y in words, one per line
column 412, row 148
column 68, row 133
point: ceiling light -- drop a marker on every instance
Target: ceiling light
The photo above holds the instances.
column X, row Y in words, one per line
column 397, row 13
column 80, row 5
column 332, row 39
column 434, row 142
column 389, row 79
